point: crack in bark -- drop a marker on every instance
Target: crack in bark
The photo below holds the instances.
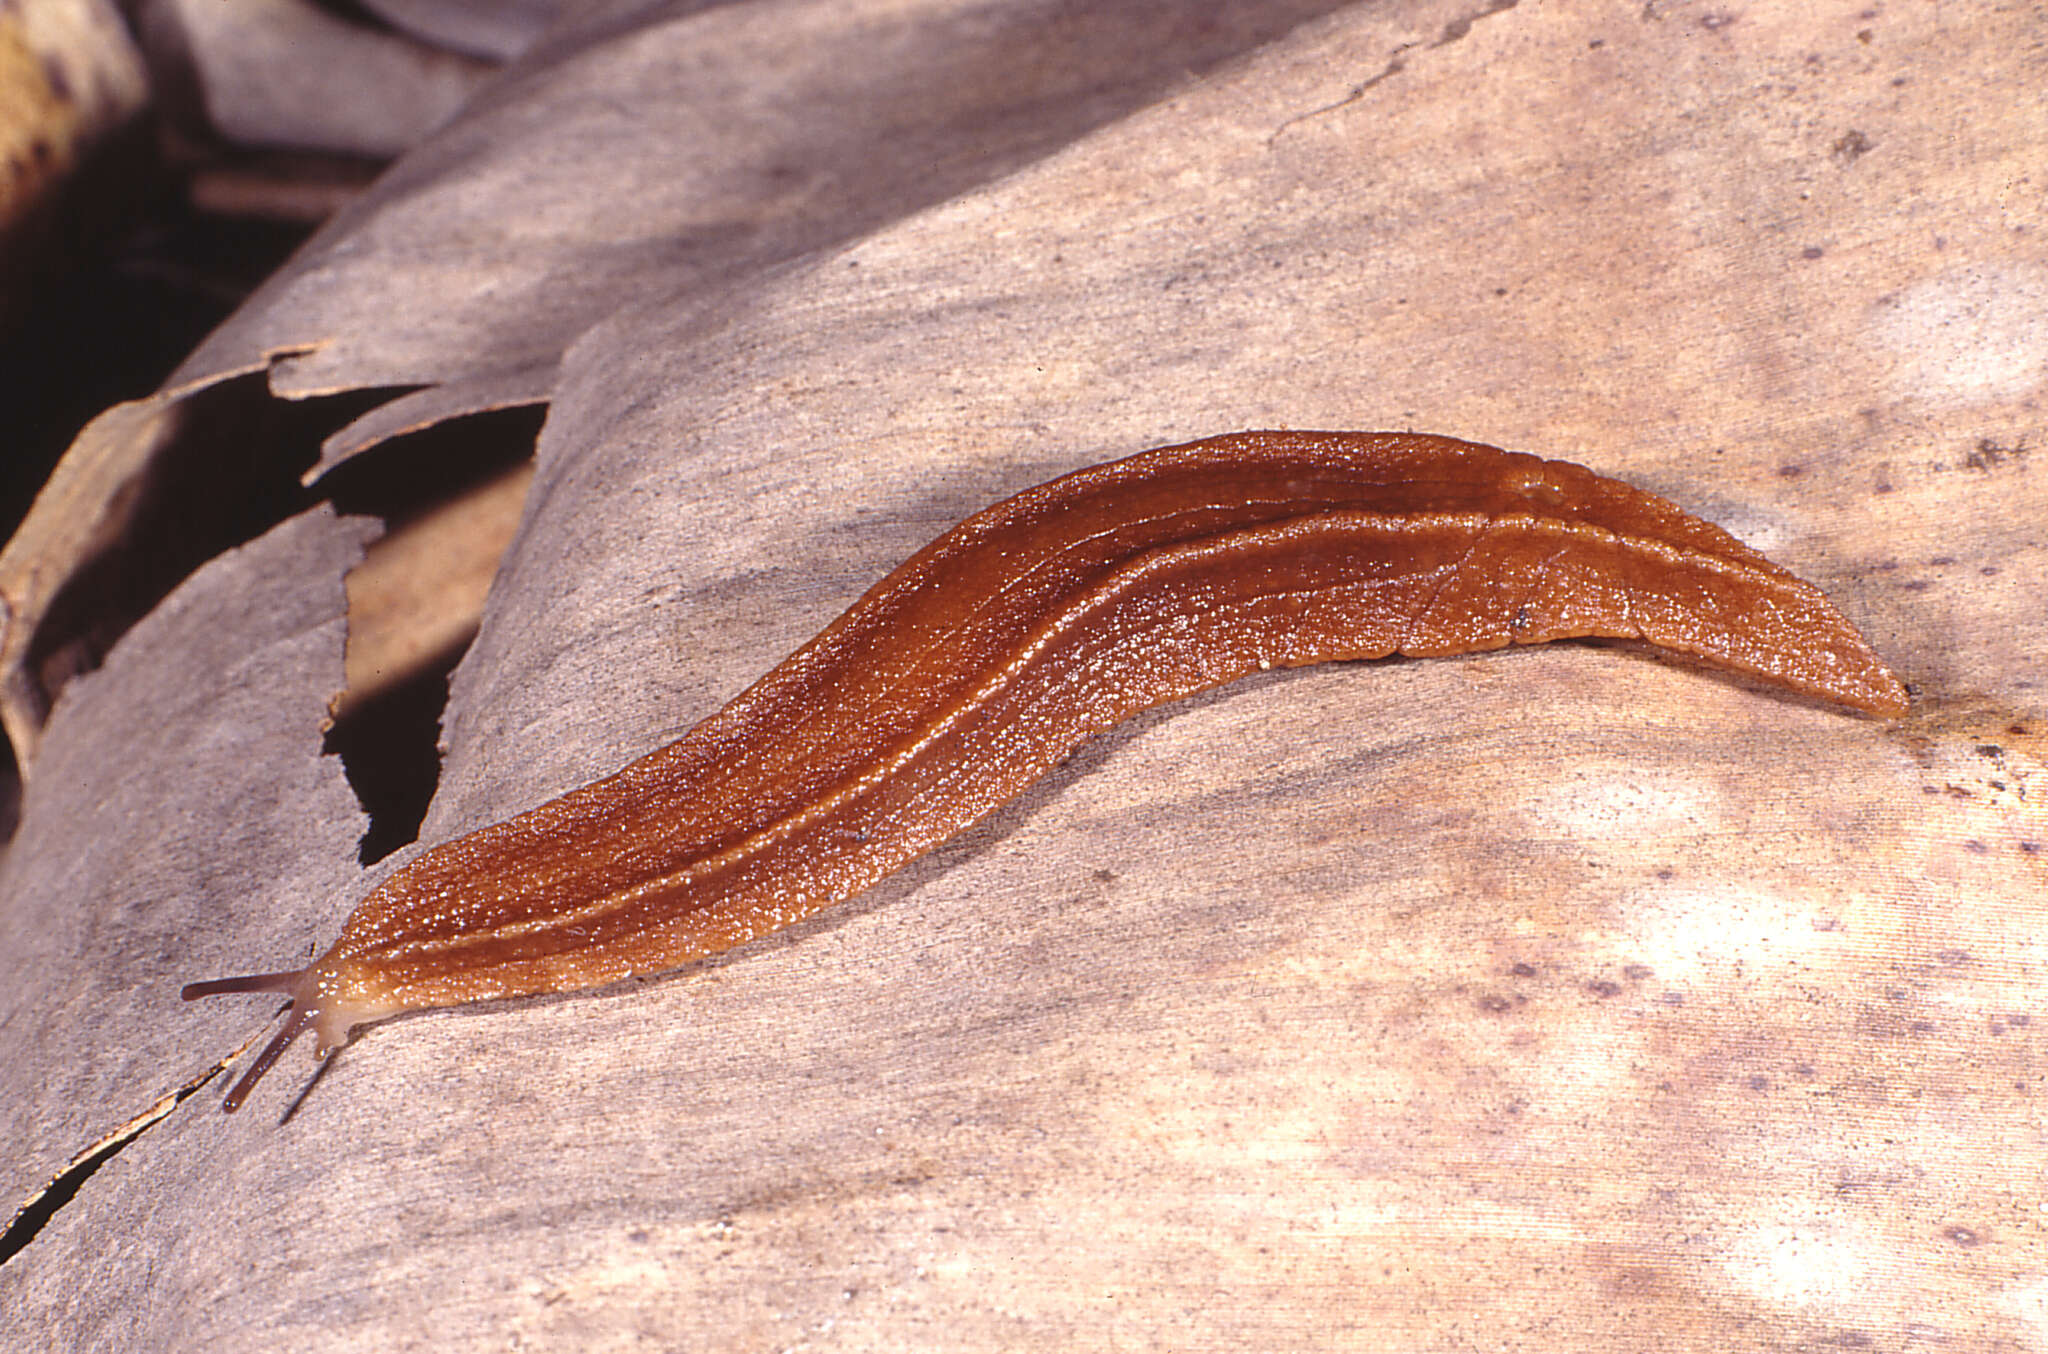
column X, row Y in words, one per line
column 1393, row 67
column 39, row 1208
column 1452, row 32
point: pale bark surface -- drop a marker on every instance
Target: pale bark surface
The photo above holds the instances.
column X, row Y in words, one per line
column 1554, row 999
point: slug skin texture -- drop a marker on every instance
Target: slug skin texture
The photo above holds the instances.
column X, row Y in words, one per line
column 1029, row 628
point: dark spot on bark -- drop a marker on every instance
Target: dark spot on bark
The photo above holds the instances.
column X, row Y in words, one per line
column 1963, row 1236
column 1523, row 970
column 59, row 81
column 1989, row 455
column 1850, row 147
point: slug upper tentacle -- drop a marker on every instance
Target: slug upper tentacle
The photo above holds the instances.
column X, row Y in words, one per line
column 1029, row 628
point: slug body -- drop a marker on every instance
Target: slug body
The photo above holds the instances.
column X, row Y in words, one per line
column 1024, row 631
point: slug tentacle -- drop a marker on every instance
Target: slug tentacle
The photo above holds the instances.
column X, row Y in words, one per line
column 323, row 999
column 297, row 1020
column 1024, row 631
column 286, row 983
column 296, row 1023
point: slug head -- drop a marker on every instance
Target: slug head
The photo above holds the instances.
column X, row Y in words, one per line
column 321, row 1002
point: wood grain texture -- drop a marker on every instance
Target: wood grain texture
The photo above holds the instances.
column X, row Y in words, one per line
column 1534, row 1001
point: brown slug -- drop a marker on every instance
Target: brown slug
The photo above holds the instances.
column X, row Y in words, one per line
column 1024, row 631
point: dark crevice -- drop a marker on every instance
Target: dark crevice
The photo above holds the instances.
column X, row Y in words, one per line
column 407, row 477
column 358, row 15
column 227, row 474
column 10, row 792
column 55, row 1195
column 389, row 745
column 388, row 739
column 229, row 471
column 36, row 1214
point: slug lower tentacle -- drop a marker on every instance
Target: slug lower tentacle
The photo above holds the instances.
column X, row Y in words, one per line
column 1024, row 631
